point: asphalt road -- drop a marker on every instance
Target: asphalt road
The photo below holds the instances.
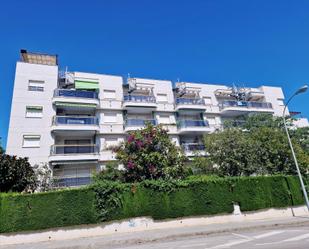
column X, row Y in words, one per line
column 282, row 238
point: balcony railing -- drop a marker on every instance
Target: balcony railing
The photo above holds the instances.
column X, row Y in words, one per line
column 78, row 120
column 188, row 101
column 193, row 146
column 75, row 94
column 139, row 99
column 245, row 104
column 192, row 123
column 139, row 122
column 74, row 149
column 71, row 182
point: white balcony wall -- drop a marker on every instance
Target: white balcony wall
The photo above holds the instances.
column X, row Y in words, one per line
column 275, row 96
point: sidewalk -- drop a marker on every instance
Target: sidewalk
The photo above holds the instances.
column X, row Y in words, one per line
column 243, row 222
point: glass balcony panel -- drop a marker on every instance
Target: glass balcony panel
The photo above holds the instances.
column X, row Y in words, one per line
column 192, row 123
column 247, row 104
column 139, row 98
column 193, row 146
column 63, row 120
column 188, row 101
column 75, row 94
column 74, row 149
column 71, row 182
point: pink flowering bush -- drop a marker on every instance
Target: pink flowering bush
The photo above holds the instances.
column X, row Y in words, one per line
column 150, row 154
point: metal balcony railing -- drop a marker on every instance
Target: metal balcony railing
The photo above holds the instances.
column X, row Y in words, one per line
column 75, row 94
column 188, row 101
column 193, row 146
column 139, row 99
column 71, row 182
column 74, row 149
column 75, row 120
column 192, row 123
column 245, row 104
column 139, row 122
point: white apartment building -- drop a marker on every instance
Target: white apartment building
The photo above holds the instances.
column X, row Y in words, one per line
column 72, row 120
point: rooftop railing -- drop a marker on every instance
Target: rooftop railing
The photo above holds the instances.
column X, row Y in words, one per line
column 139, row 99
column 192, row 123
column 75, row 94
column 74, row 149
column 78, row 120
column 188, row 101
column 245, row 104
column 139, row 122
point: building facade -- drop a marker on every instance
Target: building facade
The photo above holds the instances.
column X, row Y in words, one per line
column 73, row 120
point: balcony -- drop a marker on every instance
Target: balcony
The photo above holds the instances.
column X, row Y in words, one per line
column 75, row 123
column 145, row 101
column 192, row 149
column 71, row 182
column 65, row 152
column 236, row 108
column 190, row 104
column 76, row 96
column 195, row 126
column 136, row 124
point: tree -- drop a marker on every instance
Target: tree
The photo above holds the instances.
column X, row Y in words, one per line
column 258, row 146
column 232, row 152
column 16, row 174
column 150, row 154
column 301, row 135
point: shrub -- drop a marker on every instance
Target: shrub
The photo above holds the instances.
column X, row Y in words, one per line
column 150, row 154
column 160, row 199
column 16, row 174
column 20, row 212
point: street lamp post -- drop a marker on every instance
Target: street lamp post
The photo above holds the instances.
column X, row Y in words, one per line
column 299, row 91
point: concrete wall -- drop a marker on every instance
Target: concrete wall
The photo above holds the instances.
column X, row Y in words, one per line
column 19, row 124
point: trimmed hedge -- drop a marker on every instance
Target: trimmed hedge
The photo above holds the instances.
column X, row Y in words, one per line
column 20, row 212
column 106, row 201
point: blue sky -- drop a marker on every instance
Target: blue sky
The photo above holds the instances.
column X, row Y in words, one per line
column 212, row 41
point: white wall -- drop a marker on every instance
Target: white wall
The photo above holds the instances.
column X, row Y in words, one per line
column 19, row 124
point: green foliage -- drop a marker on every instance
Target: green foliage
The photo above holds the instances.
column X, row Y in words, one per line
column 150, row 154
column 20, row 212
column 258, row 146
column 160, row 199
column 301, row 136
column 110, row 173
column 16, row 174
column 202, row 165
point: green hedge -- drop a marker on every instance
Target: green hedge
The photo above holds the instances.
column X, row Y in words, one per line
column 106, row 201
column 20, row 212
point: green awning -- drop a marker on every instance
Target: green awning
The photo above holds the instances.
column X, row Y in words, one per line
column 86, row 85
column 81, row 105
column 35, row 107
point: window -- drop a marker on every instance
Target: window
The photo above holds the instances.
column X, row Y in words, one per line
column 164, row 119
column 161, row 97
column 34, row 111
column 110, row 118
column 207, row 101
column 36, row 85
column 31, row 141
column 280, row 102
column 109, row 94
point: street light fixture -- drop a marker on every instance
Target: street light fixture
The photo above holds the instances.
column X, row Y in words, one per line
column 299, row 91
